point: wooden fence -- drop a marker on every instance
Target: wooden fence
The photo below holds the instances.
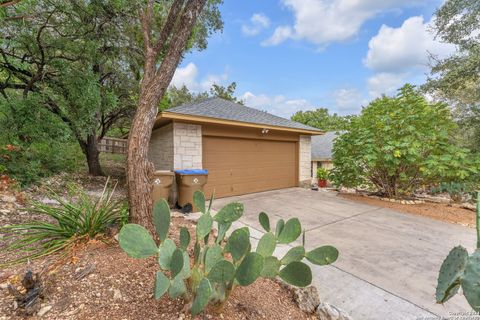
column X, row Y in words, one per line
column 113, row 145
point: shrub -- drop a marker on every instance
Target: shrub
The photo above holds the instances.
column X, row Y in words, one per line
column 322, row 173
column 398, row 144
column 78, row 219
column 214, row 275
column 459, row 269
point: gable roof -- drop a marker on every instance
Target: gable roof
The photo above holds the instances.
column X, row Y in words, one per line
column 322, row 145
column 233, row 113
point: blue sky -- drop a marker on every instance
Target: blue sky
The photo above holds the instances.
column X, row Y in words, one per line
column 289, row 55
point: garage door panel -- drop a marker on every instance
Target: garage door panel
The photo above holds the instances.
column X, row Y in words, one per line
column 239, row 166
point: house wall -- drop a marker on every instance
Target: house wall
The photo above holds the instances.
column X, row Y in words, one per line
column 305, row 159
column 160, row 149
column 187, row 142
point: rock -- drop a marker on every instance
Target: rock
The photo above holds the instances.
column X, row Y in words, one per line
column 8, row 199
column 3, row 286
column 181, row 316
column 307, row 298
column 43, row 310
column 326, row 311
column 117, row 295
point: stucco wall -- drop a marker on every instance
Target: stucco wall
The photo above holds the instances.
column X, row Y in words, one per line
column 305, row 158
column 187, row 142
column 160, row 149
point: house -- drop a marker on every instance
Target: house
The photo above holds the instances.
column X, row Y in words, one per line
column 245, row 150
column 322, row 151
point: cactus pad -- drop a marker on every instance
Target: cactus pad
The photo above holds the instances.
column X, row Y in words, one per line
column 294, row 254
column 267, row 244
column 176, row 264
column 279, row 227
column 249, row 269
column 323, row 255
column 271, row 265
column 204, row 226
column 184, row 238
column 238, row 243
column 165, row 253
column 136, row 241
column 450, row 272
column 199, row 200
column 230, row 213
column 161, row 218
column 297, row 274
column 471, row 281
column 290, row 232
column 202, row 297
column 212, row 256
column 161, row 285
column 177, row 287
column 264, row 221
column 223, row 271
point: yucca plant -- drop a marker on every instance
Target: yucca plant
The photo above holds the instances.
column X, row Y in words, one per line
column 77, row 219
column 220, row 264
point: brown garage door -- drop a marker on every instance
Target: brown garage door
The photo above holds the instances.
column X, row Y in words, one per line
column 240, row 166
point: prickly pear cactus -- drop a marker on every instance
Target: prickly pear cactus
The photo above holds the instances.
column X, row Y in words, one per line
column 220, row 264
column 461, row 270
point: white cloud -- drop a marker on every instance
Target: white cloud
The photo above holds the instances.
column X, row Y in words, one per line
column 277, row 105
column 258, row 21
column 348, row 100
column 280, row 34
column 188, row 76
column 324, row 21
column 385, row 83
column 399, row 55
column 397, row 49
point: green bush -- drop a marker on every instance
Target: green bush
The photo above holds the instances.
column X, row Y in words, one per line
column 77, row 219
column 322, row 174
column 398, row 144
column 214, row 275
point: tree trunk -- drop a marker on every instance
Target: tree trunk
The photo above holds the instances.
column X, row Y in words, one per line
column 153, row 86
column 90, row 150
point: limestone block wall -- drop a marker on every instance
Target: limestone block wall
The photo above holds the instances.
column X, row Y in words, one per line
column 305, row 159
column 160, row 149
column 187, row 146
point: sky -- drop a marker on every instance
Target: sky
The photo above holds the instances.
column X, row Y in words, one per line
column 291, row 55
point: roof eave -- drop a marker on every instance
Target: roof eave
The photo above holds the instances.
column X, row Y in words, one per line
column 186, row 117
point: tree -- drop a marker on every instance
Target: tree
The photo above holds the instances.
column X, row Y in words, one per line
column 400, row 143
column 456, row 79
column 70, row 57
column 166, row 34
column 322, row 119
column 178, row 96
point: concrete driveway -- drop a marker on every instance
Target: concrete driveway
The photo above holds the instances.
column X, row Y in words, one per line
column 388, row 263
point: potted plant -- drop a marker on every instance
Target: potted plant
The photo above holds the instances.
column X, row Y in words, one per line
column 322, row 175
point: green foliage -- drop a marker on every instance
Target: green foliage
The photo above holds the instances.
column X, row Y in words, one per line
column 321, row 119
column 322, row 173
column 400, row 143
column 213, row 276
column 178, row 96
column 456, row 79
column 460, row 269
column 79, row 218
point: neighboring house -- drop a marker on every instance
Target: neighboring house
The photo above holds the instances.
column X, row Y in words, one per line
column 322, row 151
column 245, row 150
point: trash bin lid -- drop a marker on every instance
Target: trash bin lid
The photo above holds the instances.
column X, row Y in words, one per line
column 163, row 173
column 192, row 171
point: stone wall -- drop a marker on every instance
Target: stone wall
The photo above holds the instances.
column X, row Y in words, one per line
column 305, row 159
column 187, row 142
column 160, row 149
column 314, row 171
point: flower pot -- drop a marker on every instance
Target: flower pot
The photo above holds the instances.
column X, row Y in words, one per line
column 322, row 183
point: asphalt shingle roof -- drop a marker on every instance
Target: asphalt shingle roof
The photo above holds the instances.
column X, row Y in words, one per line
column 228, row 110
column 322, row 145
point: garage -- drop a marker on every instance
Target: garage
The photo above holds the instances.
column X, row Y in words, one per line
column 245, row 150
column 239, row 166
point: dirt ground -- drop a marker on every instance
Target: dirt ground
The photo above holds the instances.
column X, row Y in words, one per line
column 438, row 211
column 98, row 280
